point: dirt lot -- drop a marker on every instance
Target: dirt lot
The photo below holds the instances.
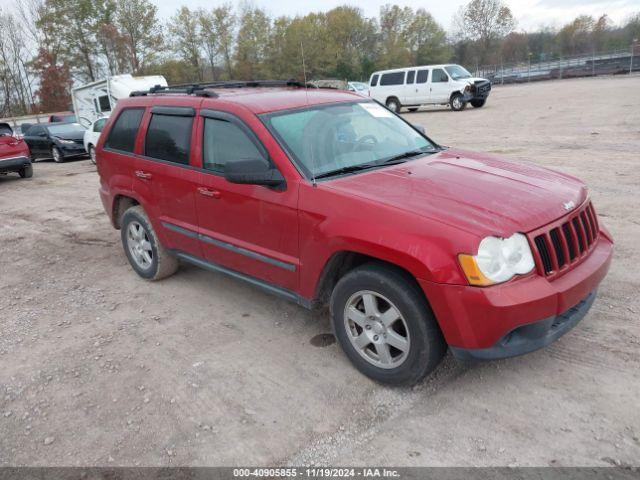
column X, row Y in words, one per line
column 99, row 367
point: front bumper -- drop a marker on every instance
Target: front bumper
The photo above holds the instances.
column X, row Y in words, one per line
column 71, row 149
column 14, row 164
column 480, row 320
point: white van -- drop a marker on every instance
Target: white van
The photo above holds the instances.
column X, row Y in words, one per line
column 428, row 85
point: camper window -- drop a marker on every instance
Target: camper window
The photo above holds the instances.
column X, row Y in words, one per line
column 105, row 105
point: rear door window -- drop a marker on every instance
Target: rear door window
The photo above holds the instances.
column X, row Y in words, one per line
column 423, row 76
column 123, row 133
column 394, row 78
column 169, row 138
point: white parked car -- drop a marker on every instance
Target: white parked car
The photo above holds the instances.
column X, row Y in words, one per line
column 428, row 85
column 360, row 88
column 91, row 136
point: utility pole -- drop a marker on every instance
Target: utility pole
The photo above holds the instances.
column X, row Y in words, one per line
column 529, row 71
column 633, row 43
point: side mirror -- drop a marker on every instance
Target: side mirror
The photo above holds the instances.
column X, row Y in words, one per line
column 419, row 128
column 253, row 172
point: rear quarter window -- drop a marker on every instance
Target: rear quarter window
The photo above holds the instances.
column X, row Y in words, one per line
column 394, row 78
column 124, row 131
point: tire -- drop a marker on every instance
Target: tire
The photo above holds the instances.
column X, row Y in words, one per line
column 393, row 104
column 155, row 262
column 478, row 103
column 26, row 172
column 92, row 154
column 457, row 103
column 56, row 154
column 413, row 109
column 424, row 345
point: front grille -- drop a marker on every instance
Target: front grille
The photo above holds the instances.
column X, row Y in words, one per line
column 566, row 242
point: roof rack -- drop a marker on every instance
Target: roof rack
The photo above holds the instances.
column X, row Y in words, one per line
column 204, row 89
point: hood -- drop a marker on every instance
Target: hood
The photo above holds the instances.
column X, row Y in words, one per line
column 478, row 193
column 70, row 135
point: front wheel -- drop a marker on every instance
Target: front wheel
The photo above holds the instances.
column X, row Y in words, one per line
column 92, row 154
column 146, row 254
column 478, row 103
column 457, row 102
column 56, row 154
column 385, row 325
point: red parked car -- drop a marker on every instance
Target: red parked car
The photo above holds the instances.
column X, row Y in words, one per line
column 14, row 153
column 326, row 197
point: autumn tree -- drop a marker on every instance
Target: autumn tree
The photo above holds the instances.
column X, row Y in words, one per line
column 484, row 22
column 252, row 43
column 426, row 39
column 55, row 82
column 141, row 32
column 184, row 29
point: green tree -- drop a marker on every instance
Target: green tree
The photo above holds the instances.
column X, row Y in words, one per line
column 184, row 29
column 426, row 39
column 394, row 48
column 252, row 43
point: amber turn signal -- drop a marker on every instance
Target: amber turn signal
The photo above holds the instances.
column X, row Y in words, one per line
column 472, row 272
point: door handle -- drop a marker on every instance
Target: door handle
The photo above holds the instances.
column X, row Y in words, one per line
column 143, row 175
column 204, row 191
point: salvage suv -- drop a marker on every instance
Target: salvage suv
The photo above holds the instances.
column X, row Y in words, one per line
column 325, row 197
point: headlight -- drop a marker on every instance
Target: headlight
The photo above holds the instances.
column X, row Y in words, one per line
column 62, row 140
column 498, row 260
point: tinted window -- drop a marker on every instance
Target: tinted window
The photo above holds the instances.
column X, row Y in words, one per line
column 169, row 138
column 423, row 75
column 123, row 134
column 395, row 78
column 374, row 80
column 411, row 76
column 34, row 131
column 99, row 125
column 105, row 106
column 439, row 76
column 225, row 142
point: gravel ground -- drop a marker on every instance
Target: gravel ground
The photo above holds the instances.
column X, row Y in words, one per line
column 102, row 368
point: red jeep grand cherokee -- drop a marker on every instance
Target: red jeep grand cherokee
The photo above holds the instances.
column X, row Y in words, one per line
column 326, row 197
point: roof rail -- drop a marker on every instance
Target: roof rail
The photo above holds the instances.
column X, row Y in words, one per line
column 204, row 89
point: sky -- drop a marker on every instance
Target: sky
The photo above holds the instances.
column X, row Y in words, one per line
column 529, row 13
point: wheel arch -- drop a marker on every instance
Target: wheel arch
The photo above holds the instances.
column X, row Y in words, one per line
column 121, row 203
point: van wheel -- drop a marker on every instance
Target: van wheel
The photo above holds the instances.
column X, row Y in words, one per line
column 457, row 103
column 56, row 155
column 478, row 103
column 385, row 325
column 146, row 255
column 26, row 172
column 394, row 104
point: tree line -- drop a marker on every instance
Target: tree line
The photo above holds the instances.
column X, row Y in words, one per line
column 46, row 46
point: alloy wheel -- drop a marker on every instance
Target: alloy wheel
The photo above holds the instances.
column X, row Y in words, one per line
column 139, row 245
column 376, row 329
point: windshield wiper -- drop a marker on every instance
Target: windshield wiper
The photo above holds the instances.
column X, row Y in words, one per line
column 395, row 160
column 404, row 156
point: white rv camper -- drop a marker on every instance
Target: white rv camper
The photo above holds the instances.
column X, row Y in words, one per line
column 97, row 99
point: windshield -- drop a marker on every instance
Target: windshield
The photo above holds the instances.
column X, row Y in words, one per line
column 359, row 86
column 456, row 72
column 65, row 129
column 332, row 138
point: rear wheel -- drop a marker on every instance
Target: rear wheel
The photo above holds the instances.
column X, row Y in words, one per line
column 26, row 172
column 385, row 325
column 56, row 155
column 394, row 104
column 478, row 103
column 146, row 255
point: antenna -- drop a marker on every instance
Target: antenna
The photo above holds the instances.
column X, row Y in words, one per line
column 306, row 93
